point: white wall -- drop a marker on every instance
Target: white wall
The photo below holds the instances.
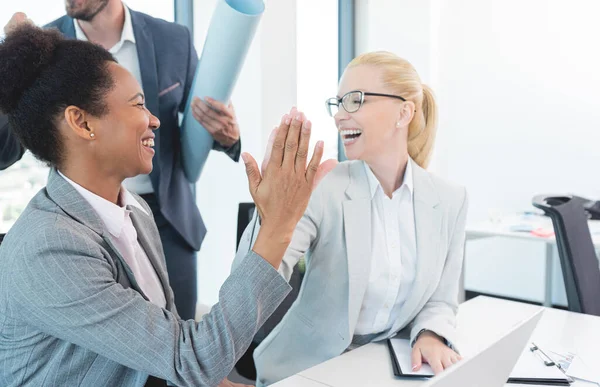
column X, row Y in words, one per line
column 317, row 68
column 401, row 26
column 517, row 85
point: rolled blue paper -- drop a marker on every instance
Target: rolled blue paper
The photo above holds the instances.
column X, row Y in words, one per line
column 230, row 33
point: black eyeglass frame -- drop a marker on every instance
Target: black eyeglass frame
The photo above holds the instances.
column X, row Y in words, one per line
column 335, row 101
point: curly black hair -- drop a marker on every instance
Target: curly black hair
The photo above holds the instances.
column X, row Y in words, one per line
column 42, row 73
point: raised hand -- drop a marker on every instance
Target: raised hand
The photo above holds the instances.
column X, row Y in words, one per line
column 16, row 20
column 282, row 192
column 323, row 169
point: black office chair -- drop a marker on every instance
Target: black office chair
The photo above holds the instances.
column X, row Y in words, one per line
column 593, row 209
column 245, row 366
column 576, row 251
column 245, row 213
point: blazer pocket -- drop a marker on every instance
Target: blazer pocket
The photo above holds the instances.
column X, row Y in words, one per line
column 169, row 89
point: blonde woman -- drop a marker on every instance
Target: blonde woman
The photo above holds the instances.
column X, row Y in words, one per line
column 383, row 238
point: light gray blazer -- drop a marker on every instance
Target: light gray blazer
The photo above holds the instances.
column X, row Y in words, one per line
column 72, row 314
column 335, row 234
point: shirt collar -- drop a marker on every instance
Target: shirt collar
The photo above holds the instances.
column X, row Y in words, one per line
column 112, row 215
column 406, row 182
column 126, row 35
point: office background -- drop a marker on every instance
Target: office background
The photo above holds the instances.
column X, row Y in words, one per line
column 517, row 84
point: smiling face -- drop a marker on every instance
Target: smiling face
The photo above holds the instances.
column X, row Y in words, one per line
column 123, row 137
column 373, row 126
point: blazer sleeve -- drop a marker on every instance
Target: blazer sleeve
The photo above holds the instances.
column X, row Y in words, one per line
column 439, row 313
column 233, row 151
column 11, row 149
column 305, row 235
column 65, row 287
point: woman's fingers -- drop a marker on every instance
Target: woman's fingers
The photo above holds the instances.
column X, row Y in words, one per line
column 292, row 141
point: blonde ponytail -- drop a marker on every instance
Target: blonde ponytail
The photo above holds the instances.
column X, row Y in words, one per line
column 399, row 75
column 422, row 129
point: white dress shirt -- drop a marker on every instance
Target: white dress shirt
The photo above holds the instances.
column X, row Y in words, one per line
column 125, row 52
column 118, row 223
column 393, row 255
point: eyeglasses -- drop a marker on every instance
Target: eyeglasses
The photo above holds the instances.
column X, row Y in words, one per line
column 352, row 101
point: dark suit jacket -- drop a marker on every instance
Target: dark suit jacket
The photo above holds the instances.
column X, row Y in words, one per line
column 11, row 149
column 167, row 57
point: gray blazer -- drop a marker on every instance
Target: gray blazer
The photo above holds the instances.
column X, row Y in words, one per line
column 72, row 314
column 335, row 235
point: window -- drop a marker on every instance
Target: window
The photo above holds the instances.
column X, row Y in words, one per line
column 317, row 69
column 20, row 182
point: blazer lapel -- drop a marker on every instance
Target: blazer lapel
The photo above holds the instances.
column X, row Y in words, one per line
column 357, row 229
column 428, row 226
column 147, row 57
column 72, row 203
column 68, row 28
column 143, row 226
column 108, row 238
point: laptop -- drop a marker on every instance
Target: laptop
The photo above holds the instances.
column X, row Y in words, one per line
column 492, row 366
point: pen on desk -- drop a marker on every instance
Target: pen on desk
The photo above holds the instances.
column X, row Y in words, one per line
column 550, row 362
column 538, row 351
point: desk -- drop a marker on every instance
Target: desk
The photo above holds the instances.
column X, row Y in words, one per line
column 299, row 381
column 502, row 228
column 481, row 321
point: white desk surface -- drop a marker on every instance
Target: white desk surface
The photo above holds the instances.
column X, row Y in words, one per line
column 480, row 322
column 502, row 228
column 299, row 381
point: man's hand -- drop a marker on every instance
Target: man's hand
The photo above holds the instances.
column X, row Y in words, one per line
column 218, row 119
column 16, row 20
column 431, row 349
